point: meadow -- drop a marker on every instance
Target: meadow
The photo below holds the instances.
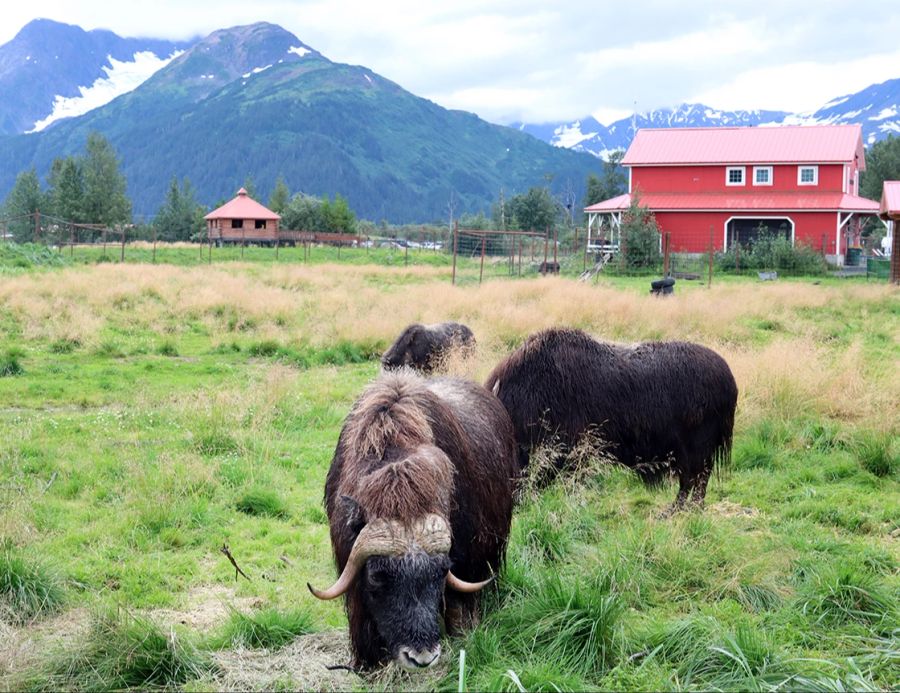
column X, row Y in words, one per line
column 152, row 413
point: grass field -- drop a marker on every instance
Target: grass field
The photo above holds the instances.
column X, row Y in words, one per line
column 150, row 414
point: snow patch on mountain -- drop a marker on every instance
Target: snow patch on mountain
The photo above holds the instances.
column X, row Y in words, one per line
column 121, row 78
column 255, row 71
column 299, row 51
column 567, row 136
column 885, row 113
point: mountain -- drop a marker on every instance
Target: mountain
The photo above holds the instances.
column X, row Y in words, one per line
column 52, row 70
column 256, row 101
column 876, row 108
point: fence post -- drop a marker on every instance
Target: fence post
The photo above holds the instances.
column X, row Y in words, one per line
column 122, row 228
column 154, row 245
column 667, row 237
column 71, row 240
column 406, row 251
column 481, row 271
column 455, row 246
column 37, row 225
column 555, row 248
column 546, row 248
column 243, row 240
column 709, row 282
column 737, row 258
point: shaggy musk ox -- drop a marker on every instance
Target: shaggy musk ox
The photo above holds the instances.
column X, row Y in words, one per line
column 423, row 347
column 662, row 407
column 419, row 498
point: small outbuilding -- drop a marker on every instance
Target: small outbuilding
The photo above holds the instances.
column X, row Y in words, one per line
column 242, row 220
column 890, row 212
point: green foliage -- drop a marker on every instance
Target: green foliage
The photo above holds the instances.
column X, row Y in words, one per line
column 640, row 237
column 534, row 210
column 773, row 251
column 123, row 651
column 878, row 452
column 882, row 163
column 105, row 197
column 25, row 198
column 66, row 189
column 180, row 218
column 835, row 595
column 27, row 590
column 250, row 187
column 262, row 501
column 269, row 628
column 280, row 197
column 612, row 182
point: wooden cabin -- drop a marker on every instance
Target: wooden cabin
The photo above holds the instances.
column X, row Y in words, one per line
column 242, row 220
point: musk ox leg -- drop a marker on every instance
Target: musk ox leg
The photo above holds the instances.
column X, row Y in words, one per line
column 698, row 494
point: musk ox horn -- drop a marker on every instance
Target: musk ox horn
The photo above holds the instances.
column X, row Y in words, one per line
column 388, row 538
column 455, row 583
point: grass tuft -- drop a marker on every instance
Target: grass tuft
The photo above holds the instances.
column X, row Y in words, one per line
column 123, row 651
column 270, row 629
column 263, row 502
column 878, row 453
column 65, row 345
column 27, row 591
column 167, row 348
column 9, row 363
column 838, row 595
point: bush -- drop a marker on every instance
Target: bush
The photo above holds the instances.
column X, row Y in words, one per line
column 640, row 238
column 9, row 363
column 771, row 251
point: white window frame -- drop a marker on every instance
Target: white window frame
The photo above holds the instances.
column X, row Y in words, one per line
column 763, row 168
column 801, row 169
column 729, row 169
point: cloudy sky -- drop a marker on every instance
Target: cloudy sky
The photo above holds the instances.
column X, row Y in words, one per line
column 541, row 61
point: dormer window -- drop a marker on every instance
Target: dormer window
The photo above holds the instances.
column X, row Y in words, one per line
column 808, row 175
column 762, row 175
column 734, row 175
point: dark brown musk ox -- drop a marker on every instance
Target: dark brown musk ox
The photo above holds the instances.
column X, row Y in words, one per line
column 662, row 408
column 419, row 499
column 425, row 347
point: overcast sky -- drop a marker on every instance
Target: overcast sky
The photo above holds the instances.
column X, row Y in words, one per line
column 546, row 61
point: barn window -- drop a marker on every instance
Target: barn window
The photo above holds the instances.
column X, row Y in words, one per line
column 237, row 223
column 734, row 175
column 808, row 175
column 762, row 175
column 260, row 223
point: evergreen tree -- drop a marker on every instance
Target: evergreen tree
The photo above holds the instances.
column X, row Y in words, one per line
column 105, row 198
column 180, row 218
column 337, row 216
column 640, row 236
column 882, row 163
column 25, row 198
column 612, row 183
column 250, row 187
column 66, row 192
column 280, row 198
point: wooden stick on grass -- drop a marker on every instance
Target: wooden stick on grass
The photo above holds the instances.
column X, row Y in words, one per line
column 237, row 568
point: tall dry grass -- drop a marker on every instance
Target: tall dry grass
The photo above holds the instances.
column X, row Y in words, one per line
column 796, row 368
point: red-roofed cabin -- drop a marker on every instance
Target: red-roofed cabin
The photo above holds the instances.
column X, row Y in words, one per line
column 242, row 220
column 722, row 184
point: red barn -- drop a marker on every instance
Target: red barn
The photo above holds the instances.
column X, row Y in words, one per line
column 723, row 184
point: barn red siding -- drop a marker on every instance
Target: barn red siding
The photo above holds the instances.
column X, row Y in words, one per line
column 711, row 179
column 691, row 230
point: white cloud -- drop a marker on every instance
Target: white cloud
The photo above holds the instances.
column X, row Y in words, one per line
column 121, row 78
column 527, row 59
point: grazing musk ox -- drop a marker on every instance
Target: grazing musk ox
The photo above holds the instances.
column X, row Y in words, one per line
column 424, row 347
column 419, row 499
column 662, row 407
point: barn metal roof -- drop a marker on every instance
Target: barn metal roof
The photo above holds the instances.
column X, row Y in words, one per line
column 746, row 145
column 890, row 200
column 775, row 201
column 242, row 207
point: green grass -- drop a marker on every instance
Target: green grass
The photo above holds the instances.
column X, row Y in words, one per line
column 28, row 590
column 123, row 651
column 129, row 456
column 269, row 628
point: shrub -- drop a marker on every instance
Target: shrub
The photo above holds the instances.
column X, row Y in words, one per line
column 9, row 363
column 167, row 348
column 878, row 453
column 774, row 251
column 64, row 346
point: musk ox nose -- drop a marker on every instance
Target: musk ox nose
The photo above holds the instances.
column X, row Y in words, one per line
column 413, row 659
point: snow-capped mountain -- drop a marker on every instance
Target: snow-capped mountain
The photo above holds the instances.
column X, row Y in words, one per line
column 876, row 108
column 51, row 71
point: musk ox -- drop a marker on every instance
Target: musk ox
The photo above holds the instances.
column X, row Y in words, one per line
column 424, row 347
column 419, row 499
column 661, row 407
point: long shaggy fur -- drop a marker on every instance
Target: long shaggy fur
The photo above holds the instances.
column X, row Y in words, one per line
column 662, row 407
column 410, row 447
column 425, row 347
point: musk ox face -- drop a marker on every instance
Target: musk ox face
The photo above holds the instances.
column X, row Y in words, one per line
column 409, row 348
column 404, row 595
column 403, row 569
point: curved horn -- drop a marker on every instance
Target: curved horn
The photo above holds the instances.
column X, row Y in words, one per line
column 379, row 538
column 455, row 583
